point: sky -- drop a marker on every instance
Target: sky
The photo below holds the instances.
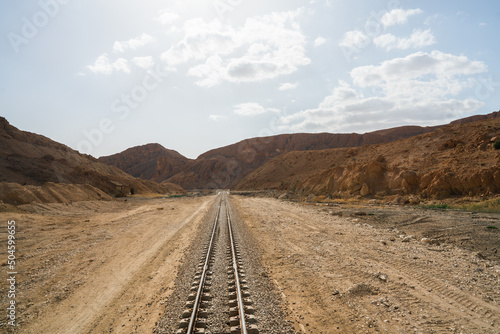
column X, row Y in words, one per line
column 104, row 75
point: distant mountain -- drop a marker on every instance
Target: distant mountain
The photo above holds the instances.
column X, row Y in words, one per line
column 226, row 166
column 454, row 160
column 149, row 162
column 30, row 159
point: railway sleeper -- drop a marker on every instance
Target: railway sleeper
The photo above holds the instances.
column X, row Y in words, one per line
column 196, row 331
column 251, row 329
column 204, row 296
column 241, row 274
column 232, row 286
column 233, row 294
column 236, row 251
column 233, row 311
column 195, row 288
column 201, row 313
column 200, row 323
column 235, row 320
column 230, row 263
column 203, row 304
column 208, row 282
column 197, row 276
column 246, row 301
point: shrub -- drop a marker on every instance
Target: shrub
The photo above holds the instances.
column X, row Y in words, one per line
column 436, row 206
column 496, row 145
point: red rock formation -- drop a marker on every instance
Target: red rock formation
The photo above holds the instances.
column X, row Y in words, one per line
column 149, row 162
column 226, row 166
column 30, row 159
column 454, row 160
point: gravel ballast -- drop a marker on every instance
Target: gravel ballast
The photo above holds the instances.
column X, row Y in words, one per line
column 267, row 303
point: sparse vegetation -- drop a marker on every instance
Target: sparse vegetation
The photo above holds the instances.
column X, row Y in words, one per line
column 491, row 206
column 487, row 206
column 436, row 206
column 176, row 196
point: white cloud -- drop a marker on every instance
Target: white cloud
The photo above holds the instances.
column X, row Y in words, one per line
column 354, row 38
column 133, row 43
column 415, row 66
column 288, row 85
column 265, row 47
column 201, row 40
column 217, row 118
column 209, row 72
column 398, row 16
column 143, row 62
column 167, row 17
column 121, row 65
column 418, row 39
column 319, row 41
column 102, row 65
column 387, row 41
column 252, row 109
column 421, row 88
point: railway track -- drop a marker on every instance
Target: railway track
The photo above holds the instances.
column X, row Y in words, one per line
column 239, row 309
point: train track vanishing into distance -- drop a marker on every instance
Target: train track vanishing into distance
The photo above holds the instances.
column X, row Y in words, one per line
column 195, row 317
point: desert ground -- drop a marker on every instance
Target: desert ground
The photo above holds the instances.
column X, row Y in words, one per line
column 111, row 266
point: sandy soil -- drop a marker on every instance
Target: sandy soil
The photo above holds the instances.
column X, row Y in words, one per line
column 342, row 270
column 105, row 267
column 98, row 266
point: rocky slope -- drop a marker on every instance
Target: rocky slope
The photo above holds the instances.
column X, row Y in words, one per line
column 458, row 159
column 226, row 166
column 49, row 192
column 149, row 162
column 30, row 159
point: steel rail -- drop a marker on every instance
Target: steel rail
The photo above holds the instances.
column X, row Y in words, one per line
column 241, row 309
column 194, row 315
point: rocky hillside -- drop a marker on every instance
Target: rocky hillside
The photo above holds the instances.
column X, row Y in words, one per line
column 149, row 162
column 30, row 159
column 226, row 166
column 454, row 160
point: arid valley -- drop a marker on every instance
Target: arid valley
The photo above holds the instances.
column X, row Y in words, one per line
column 111, row 266
column 249, row 167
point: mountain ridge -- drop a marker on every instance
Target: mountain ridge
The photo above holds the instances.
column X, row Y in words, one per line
column 41, row 165
column 226, row 166
column 147, row 161
column 454, row 160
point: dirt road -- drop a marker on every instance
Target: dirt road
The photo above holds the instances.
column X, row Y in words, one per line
column 98, row 266
column 341, row 274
